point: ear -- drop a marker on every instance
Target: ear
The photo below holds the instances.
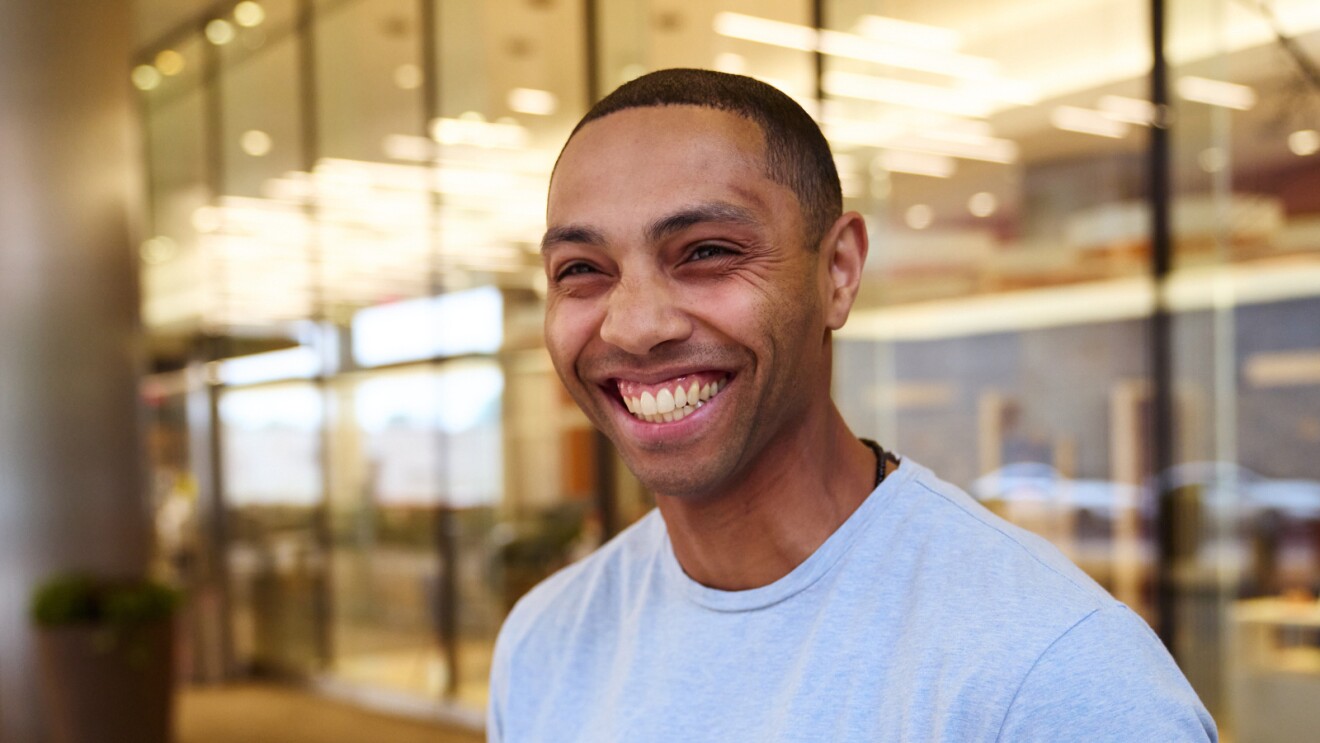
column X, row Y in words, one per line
column 843, row 254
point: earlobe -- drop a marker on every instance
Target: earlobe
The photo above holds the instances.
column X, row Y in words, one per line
column 845, row 247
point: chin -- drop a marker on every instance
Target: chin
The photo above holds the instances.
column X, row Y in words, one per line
column 689, row 481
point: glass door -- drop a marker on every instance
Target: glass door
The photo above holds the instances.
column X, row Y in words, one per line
column 273, row 494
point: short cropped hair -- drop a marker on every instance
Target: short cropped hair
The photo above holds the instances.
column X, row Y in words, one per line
column 796, row 153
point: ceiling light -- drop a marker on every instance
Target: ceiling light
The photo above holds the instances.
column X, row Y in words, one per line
column 255, row 142
column 952, row 64
column 919, row 216
column 220, row 32
column 1128, row 110
column 1304, row 142
column 907, row 33
column 766, row 31
column 962, row 144
column 532, row 101
column 917, row 163
column 1217, row 93
column 1087, row 121
column 146, row 77
column 249, row 14
column 903, row 93
column 852, row 46
column 471, row 129
column 169, row 62
column 982, row 204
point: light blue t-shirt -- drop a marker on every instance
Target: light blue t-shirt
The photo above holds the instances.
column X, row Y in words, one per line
column 924, row 617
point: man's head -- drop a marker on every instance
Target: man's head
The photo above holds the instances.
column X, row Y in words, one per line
column 796, row 153
column 685, row 314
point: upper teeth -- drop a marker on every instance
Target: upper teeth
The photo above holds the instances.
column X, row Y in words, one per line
column 670, row 405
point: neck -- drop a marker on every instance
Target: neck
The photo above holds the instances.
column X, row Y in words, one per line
column 780, row 510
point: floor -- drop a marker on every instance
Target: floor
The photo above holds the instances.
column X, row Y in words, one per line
column 254, row 713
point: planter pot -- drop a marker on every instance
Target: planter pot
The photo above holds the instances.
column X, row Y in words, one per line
column 99, row 694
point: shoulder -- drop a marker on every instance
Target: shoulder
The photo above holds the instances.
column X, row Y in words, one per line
column 1107, row 678
column 1076, row 657
column 562, row 615
column 983, row 558
column 571, row 595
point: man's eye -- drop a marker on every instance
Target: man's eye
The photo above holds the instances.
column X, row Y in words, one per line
column 574, row 269
column 702, row 252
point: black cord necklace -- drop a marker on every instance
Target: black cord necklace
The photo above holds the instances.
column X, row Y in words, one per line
column 882, row 458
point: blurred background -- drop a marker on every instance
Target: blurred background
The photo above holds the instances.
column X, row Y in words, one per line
column 1093, row 302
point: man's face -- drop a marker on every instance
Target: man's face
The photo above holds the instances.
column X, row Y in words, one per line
column 684, row 310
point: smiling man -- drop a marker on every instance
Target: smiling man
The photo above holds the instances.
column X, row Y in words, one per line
column 794, row 582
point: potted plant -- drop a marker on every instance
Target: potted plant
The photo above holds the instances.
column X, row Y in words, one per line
column 106, row 658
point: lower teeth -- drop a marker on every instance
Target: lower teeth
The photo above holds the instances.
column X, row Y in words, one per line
column 673, row 415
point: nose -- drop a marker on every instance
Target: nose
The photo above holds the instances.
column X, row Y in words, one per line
column 641, row 314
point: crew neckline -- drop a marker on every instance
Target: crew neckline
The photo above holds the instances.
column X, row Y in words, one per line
column 812, row 569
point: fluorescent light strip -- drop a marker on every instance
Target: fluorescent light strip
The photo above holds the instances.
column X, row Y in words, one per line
column 766, row 31
column 851, row 46
column 1283, row 368
column 1216, row 93
column 968, row 147
column 1127, row 110
column 533, row 101
column 903, row 93
column 1194, row 289
column 907, row 33
column 1105, row 301
column 1087, row 121
column 918, row 163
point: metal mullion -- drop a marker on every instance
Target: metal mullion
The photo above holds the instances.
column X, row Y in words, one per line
column 1159, row 172
column 305, row 39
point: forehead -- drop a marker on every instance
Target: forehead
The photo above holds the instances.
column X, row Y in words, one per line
column 643, row 161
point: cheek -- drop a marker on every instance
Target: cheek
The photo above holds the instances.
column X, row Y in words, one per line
column 569, row 327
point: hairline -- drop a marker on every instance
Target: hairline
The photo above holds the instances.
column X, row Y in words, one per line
column 812, row 233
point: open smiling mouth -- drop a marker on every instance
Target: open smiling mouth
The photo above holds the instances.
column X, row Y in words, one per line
column 671, row 400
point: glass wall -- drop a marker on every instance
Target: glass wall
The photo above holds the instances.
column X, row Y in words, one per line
column 360, row 187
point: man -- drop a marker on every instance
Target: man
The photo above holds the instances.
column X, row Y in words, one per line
column 794, row 583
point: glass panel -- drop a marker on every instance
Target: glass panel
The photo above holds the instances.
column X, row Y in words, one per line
column 1246, row 95
column 261, row 129
column 177, row 171
column 259, row 252
column 368, row 76
column 729, row 35
column 511, row 83
column 998, row 152
column 271, row 453
column 1000, row 337
column 180, row 552
column 419, row 454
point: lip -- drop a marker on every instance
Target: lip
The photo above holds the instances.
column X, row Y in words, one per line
column 646, row 432
column 655, row 375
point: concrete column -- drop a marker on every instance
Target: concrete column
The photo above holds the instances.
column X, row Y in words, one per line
column 71, row 492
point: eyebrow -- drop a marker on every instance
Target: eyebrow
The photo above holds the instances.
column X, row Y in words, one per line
column 571, row 234
column 714, row 211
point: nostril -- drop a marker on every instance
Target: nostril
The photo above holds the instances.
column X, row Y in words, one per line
column 638, row 332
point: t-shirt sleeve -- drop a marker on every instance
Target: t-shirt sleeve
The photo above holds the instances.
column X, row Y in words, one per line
column 1107, row 678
